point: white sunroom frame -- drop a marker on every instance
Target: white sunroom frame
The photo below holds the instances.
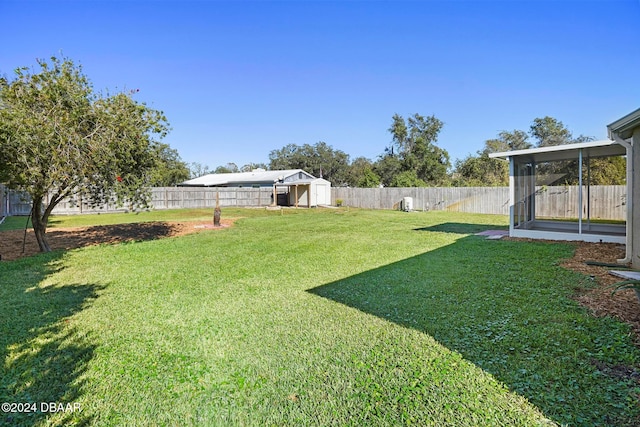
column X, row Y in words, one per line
column 522, row 180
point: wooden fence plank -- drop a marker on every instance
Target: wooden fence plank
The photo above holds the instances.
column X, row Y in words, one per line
column 607, row 201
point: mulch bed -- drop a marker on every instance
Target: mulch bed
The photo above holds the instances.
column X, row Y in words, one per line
column 623, row 305
column 598, row 299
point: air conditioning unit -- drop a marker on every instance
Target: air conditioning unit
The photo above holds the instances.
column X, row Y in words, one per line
column 407, row 204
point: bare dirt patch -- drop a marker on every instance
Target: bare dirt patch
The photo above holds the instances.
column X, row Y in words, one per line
column 11, row 242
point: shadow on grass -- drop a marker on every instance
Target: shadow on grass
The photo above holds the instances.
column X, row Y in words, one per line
column 43, row 354
column 460, row 228
column 114, row 233
column 505, row 306
column 11, row 241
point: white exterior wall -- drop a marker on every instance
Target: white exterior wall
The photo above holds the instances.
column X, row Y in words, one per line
column 635, row 201
column 302, row 193
column 320, row 192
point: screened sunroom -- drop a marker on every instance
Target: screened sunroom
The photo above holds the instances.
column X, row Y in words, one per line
column 551, row 196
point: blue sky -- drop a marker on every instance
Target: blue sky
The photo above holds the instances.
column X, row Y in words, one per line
column 239, row 79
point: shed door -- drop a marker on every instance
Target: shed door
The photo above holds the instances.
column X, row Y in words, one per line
column 321, row 195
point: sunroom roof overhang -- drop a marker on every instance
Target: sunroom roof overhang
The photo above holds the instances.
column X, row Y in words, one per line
column 592, row 149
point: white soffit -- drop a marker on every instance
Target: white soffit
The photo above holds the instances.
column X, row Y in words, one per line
column 625, row 126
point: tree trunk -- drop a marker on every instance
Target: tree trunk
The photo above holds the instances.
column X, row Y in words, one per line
column 39, row 221
column 216, row 216
column 217, row 212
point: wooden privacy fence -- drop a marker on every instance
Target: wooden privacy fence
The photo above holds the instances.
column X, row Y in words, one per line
column 493, row 200
column 606, row 201
column 205, row 197
column 19, row 203
column 14, row 202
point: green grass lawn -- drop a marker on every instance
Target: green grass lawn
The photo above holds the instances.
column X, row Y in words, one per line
column 312, row 317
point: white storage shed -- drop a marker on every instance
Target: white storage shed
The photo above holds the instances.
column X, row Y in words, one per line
column 293, row 187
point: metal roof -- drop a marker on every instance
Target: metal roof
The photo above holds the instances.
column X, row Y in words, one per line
column 624, row 126
column 604, row 148
column 248, row 178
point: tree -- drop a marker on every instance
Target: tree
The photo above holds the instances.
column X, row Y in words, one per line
column 387, row 167
column 399, row 133
column 361, row 174
column 197, row 170
column 432, row 163
column 285, row 158
column 407, row 179
column 608, row 171
column 601, row 171
column 507, row 141
column 549, row 131
column 417, row 151
column 596, row 171
column 169, row 168
column 320, row 160
column 480, row 171
column 252, row 166
column 369, row 179
column 59, row 139
column 228, row 168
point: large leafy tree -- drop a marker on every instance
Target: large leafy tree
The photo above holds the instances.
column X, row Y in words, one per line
column 60, row 139
column 198, row 169
column 414, row 141
column 387, row 168
column 550, row 131
column 320, row 160
column 369, row 179
column 169, row 168
column 228, row 168
column 408, row 178
column 507, row 141
column 361, row 174
column 544, row 131
column 481, row 171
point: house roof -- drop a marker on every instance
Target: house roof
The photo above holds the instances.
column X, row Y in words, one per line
column 257, row 176
column 624, row 126
column 304, row 182
column 604, row 148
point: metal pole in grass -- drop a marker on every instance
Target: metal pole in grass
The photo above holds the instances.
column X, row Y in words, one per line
column 217, row 212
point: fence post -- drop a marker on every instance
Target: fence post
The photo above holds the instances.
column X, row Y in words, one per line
column 608, row 201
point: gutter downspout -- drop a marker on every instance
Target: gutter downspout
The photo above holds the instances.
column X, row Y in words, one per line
column 629, row 222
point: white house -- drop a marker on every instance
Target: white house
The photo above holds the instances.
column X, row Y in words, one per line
column 292, row 187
